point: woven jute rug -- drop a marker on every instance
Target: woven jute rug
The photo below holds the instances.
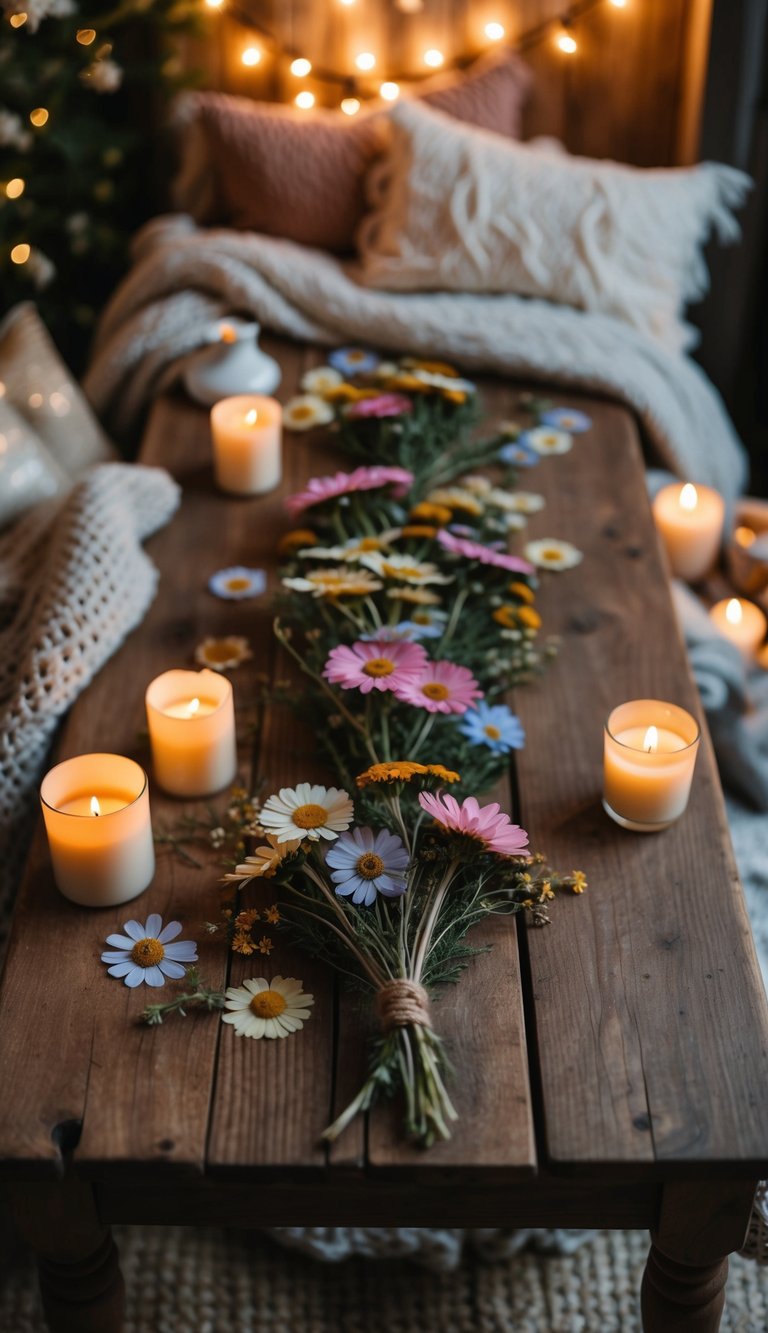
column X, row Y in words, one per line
column 185, row 1281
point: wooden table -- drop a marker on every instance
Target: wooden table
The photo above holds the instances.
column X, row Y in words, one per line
column 612, row 1066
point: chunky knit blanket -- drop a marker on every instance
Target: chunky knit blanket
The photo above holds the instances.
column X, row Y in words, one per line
column 184, row 276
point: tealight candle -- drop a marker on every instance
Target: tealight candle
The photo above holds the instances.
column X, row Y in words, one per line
column 742, row 622
column 96, row 813
column 649, row 756
column 690, row 522
column 247, row 433
column 191, row 719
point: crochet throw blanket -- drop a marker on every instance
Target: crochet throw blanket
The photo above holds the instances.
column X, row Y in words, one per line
column 184, row 276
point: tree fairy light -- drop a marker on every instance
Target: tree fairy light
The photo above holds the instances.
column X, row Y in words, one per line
column 305, row 100
column 18, row 20
column 85, row 36
column 433, row 58
column 566, row 41
column 301, row 67
column 39, row 116
column 389, row 91
column 20, row 253
column 350, row 105
column 365, row 60
column 251, row 56
column 15, row 188
column 214, row 4
column 495, row 32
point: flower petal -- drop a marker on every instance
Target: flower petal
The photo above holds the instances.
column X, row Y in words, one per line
column 135, row 977
column 171, row 969
column 122, row 941
column 120, row 969
column 153, row 976
column 170, row 932
column 185, row 951
column 116, row 956
column 154, row 925
column 135, row 930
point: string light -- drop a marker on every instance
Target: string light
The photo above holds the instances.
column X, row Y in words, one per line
column 350, row 106
column 39, row 116
column 566, row 41
column 495, row 32
column 214, row 4
column 20, row 253
column 365, row 60
column 85, row 36
column 15, row 187
column 305, row 100
column 389, row 91
column 433, row 58
column 301, row 67
column 251, row 56
column 18, row 20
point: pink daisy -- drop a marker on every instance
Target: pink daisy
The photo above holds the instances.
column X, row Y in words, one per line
column 486, row 555
column 441, row 687
column 375, row 665
column 487, row 823
column 384, row 405
column 320, row 489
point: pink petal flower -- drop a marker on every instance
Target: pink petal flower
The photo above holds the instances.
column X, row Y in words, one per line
column 320, row 489
column 485, row 555
column 375, row 665
column 442, row 687
column 384, row 405
column 488, row 823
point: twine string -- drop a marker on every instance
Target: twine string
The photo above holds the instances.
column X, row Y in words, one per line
column 401, row 1003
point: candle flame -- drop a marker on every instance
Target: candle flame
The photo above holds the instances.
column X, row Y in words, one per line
column 651, row 742
column 689, row 497
column 745, row 536
column 251, row 417
column 95, row 807
column 192, row 707
column 734, row 613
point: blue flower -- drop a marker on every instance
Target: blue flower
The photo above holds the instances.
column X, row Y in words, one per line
column 145, row 953
column 236, row 583
column 518, row 454
column 493, row 725
column 353, row 360
column 365, row 863
column 410, row 629
column 567, row 418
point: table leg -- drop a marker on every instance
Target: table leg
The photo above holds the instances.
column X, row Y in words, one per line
column 78, row 1265
column 684, row 1281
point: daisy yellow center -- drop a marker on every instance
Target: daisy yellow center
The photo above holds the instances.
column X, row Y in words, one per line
column 309, row 816
column 369, row 865
column 369, row 544
column 549, row 440
column 355, row 356
column 379, row 666
column 492, row 732
column 220, row 651
column 436, row 690
column 301, row 412
column 402, row 571
column 147, row 952
column 552, row 553
column 267, row 1004
column 238, row 584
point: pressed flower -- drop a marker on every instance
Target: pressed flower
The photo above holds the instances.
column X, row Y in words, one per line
column 265, row 860
column 494, row 726
column 456, row 497
column 353, row 360
column 374, row 665
column 382, row 405
column 404, row 568
column 335, row 583
column 320, row 380
column 320, row 489
column 431, row 513
column 295, row 540
column 443, row 687
column 265, row 945
column 550, row 553
column 567, row 418
column 417, row 596
column 486, row 824
column 272, row 915
column 147, row 953
column 402, row 770
column 518, row 454
column 261, row 1008
column 547, row 440
column 223, row 654
column 237, row 583
column 523, row 592
column 306, row 411
column 484, row 555
column 577, row 881
column 244, row 920
column 307, row 811
column 364, row 863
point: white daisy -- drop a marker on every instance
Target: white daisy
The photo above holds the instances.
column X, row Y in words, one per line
column 306, row 411
column 453, row 383
column 386, row 370
column 321, row 379
column 236, row 583
column 145, row 953
column 307, row 811
column 403, row 568
column 515, row 502
column 551, row 553
column 265, row 861
column 349, row 550
column 477, row 484
column 549, row 440
column 261, row 1008
column 334, row 583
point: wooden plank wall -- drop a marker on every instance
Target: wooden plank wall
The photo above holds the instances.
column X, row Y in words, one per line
column 632, row 92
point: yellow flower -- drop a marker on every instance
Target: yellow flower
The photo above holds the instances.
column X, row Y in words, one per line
column 528, row 617
column 295, row 539
column 454, row 395
column 266, row 945
column 577, row 881
column 511, row 617
column 546, row 890
column 348, row 393
column 223, row 654
column 432, row 513
column 242, row 943
column 265, row 860
column 418, row 530
column 402, row 770
column 244, row 920
column 522, row 591
column 272, row 915
column 418, row 596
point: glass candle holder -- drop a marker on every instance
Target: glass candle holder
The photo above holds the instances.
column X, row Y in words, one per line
column 96, row 813
column 191, row 720
column 649, row 757
column 247, row 441
column 690, row 522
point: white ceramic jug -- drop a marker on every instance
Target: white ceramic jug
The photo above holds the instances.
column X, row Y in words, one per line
column 231, row 363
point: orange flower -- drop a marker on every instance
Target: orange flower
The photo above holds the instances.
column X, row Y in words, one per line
column 266, row 945
column 295, row 539
column 432, row 513
column 402, row 770
column 418, row 530
column 523, row 592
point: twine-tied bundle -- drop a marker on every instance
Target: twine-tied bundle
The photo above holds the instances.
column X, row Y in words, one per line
column 401, row 1003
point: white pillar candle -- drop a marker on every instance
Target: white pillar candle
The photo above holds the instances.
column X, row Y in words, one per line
column 649, row 756
column 247, row 434
column 742, row 622
column 191, row 719
column 96, row 813
column 690, row 522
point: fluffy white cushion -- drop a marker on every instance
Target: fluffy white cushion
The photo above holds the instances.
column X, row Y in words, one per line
column 460, row 209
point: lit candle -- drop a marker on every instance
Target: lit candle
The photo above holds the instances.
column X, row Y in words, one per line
column 247, row 432
column 649, row 756
column 690, row 522
column 741, row 622
column 191, row 719
column 96, row 813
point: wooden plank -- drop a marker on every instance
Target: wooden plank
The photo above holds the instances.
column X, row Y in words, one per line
column 649, row 1010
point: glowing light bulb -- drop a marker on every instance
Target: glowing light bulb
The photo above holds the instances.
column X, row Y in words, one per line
column 251, row 417
column 566, row 42
column 433, row 58
column 350, row 106
column 495, row 32
column 619, row 4
column 651, row 741
column 365, row 60
column 251, row 56
column 15, row 187
column 301, row 67
column 689, row 497
column 734, row 613
column 39, row 116
column 85, row 36
column 305, row 100
column 18, row 20
column 214, row 4
column 193, row 707
column 346, row 3
column 20, row 253
column 95, row 807
column 745, row 536
column 389, row 91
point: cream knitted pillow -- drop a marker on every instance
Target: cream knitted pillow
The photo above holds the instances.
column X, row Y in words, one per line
column 460, row 209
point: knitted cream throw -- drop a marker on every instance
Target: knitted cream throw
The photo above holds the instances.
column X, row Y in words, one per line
column 73, row 582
